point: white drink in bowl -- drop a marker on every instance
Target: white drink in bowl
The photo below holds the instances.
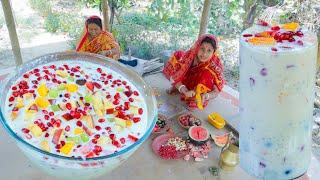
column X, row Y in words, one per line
column 276, row 100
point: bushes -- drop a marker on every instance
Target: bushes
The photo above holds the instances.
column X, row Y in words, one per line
column 52, row 22
column 43, row 6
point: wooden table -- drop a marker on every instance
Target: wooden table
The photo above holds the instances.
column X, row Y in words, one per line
column 143, row 164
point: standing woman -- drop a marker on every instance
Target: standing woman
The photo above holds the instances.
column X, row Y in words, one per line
column 95, row 40
column 197, row 73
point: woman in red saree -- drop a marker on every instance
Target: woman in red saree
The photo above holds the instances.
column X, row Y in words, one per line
column 95, row 40
column 197, row 73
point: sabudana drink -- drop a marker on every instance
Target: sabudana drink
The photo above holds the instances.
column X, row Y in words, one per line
column 277, row 75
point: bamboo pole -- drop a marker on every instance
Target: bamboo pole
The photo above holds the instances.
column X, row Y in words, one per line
column 105, row 14
column 205, row 17
column 7, row 10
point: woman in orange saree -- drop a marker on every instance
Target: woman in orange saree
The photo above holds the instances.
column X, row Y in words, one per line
column 197, row 73
column 95, row 40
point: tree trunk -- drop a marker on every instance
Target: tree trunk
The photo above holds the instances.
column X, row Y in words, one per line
column 7, row 10
column 205, row 17
column 112, row 13
column 105, row 13
column 250, row 7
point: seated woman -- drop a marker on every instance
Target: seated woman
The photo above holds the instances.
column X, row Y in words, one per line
column 197, row 73
column 95, row 40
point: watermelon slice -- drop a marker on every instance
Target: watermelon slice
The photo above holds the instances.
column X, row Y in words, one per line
column 56, row 136
column 198, row 135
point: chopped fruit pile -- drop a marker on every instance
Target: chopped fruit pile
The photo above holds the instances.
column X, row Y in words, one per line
column 291, row 33
column 69, row 110
column 188, row 120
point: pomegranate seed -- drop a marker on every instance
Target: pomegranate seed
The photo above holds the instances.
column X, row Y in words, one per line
column 25, row 130
column 101, row 120
column 140, row 111
column 275, row 28
column 94, row 141
column 46, row 135
column 116, row 143
column 247, row 35
column 136, row 93
column 46, row 117
column 131, row 99
column 51, row 114
column 274, row 49
column 14, row 88
column 11, row 99
column 62, row 143
column 36, row 70
column 98, row 148
column 109, row 76
column 67, row 95
column 99, row 70
column 25, row 75
column 112, row 136
column 108, row 128
column 97, row 136
column 67, row 128
column 98, row 128
column 116, row 102
column 122, row 140
column 300, row 43
column 136, row 119
column 68, row 106
column 79, row 123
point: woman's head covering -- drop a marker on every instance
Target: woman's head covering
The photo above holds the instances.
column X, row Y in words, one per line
column 176, row 74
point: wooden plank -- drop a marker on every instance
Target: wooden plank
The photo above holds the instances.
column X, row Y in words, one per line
column 6, row 6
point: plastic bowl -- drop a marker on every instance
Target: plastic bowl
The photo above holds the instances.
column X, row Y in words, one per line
column 70, row 167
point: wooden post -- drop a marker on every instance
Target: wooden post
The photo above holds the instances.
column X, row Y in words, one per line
column 7, row 10
column 205, row 17
column 105, row 14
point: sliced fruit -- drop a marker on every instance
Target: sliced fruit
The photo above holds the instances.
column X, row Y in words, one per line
column 76, row 140
column 134, row 110
column 55, row 108
column 119, row 89
column 66, row 149
column 28, row 96
column 87, row 130
column 90, row 86
column 107, row 104
column 120, row 122
column 42, row 102
column 56, row 136
column 33, row 108
column 29, row 116
column 88, row 98
column 198, row 135
column 128, row 123
column 53, row 93
column 84, row 137
column 133, row 138
column 52, row 101
column 35, row 130
column 45, row 145
column 110, row 111
column 67, row 116
column 89, row 120
column 103, row 140
column 14, row 115
column 70, row 79
column 61, row 87
column 77, row 131
column 19, row 102
column 62, row 73
column 72, row 88
column 98, row 105
column 43, row 90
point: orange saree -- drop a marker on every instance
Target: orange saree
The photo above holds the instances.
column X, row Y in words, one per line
column 104, row 41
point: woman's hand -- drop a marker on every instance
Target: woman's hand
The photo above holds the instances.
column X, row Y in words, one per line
column 106, row 52
column 189, row 94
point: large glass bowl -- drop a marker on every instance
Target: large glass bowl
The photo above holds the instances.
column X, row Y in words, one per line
column 77, row 168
